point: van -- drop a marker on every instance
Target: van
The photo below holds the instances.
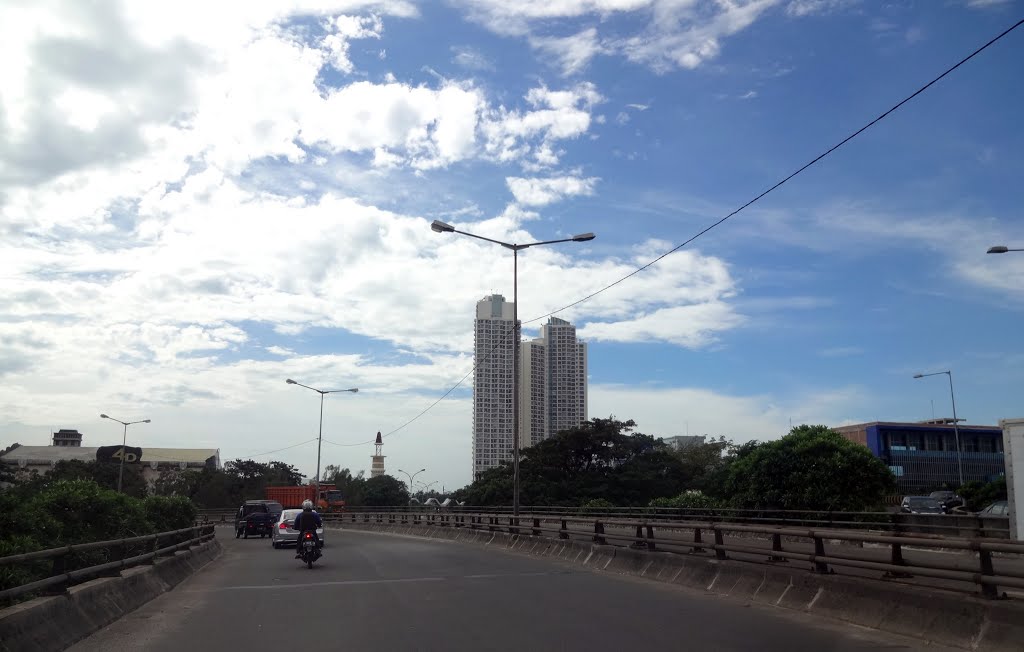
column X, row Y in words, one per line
column 271, row 508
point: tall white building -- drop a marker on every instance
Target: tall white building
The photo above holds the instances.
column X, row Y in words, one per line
column 553, row 369
column 493, row 336
column 553, row 383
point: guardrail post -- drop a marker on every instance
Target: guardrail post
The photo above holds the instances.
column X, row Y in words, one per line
column 697, row 539
column 720, row 545
column 777, row 547
column 650, row 537
column 156, row 546
column 819, row 551
column 896, row 559
column 599, row 532
column 639, row 543
column 990, row 591
column 564, row 532
column 536, row 527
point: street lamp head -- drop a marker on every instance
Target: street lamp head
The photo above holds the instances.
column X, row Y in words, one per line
column 291, row 382
column 354, row 390
column 997, row 250
column 145, row 421
column 421, row 471
column 918, row 375
column 583, row 237
column 103, row 416
column 440, row 227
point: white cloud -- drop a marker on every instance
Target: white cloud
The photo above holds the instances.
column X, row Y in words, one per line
column 471, row 59
column 571, row 53
column 664, row 412
column 541, row 192
column 673, row 35
column 749, row 95
column 800, row 8
column 343, row 29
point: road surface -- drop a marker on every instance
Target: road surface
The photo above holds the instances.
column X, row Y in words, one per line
column 378, row 592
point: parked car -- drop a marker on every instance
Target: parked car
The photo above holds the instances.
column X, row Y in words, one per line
column 998, row 508
column 949, row 499
column 282, row 533
column 921, row 505
column 271, row 507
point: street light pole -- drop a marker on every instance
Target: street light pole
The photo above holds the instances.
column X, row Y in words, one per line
column 411, row 477
column 124, row 443
column 320, row 432
column 956, row 428
column 440, row 227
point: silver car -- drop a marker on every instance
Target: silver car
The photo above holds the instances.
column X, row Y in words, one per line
column 283, row 534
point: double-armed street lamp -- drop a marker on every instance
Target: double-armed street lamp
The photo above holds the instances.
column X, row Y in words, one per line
column 320, row 435
column 441, row 227
column 411, row 477
column 124, row 443
column 956, row 428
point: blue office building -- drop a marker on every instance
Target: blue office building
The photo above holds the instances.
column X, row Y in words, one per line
column 923, row 456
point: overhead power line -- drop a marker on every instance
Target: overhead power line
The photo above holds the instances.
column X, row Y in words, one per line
column 720, row 221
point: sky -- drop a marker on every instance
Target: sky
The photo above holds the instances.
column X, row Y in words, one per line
column 199, row 200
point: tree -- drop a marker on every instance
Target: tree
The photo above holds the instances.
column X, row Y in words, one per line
column 812, row 468
column 599, row 459
column 352, row 487
column 690, row 499
column 978, row 496
column 385, row 491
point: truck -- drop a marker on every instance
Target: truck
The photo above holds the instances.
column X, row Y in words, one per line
column 329, row 500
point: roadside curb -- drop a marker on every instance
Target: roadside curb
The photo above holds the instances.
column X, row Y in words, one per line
column 57, row 622
column 927, row 614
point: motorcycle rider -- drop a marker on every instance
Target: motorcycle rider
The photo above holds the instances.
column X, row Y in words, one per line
column 307, row 521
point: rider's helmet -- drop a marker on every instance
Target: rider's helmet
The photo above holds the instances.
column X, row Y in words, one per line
column 307, row 505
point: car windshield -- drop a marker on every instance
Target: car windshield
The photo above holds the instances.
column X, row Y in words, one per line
column 942, row 495
column 923, row 502
column 333, row 495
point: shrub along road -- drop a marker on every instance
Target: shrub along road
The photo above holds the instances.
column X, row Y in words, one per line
column 379, row 592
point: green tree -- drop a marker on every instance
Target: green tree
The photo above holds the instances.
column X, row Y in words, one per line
column 978, row 495
column 599, row 459
column 385, row 491
column 812, row 468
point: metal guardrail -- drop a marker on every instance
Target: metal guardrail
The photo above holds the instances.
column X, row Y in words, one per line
column 959, row 525
column 603, row 531
column 60, row 575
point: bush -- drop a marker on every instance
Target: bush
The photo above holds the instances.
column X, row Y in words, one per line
column 597, row 504
column 978, row 496
column 169, row 512
column 687, row 500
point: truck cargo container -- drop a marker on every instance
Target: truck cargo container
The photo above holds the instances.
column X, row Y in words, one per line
column 329, row 500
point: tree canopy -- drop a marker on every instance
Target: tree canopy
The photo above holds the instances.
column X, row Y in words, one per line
column 811, row 468
column 599, row 459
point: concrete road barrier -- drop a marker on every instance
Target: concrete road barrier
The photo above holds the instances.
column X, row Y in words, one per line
column 57, row 622
column 932, row 615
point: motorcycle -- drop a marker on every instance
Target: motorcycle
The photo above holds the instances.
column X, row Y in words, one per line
column 310, row 549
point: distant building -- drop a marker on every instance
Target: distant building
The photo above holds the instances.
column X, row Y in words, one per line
column 68, row 446
column 493, row 351
column 682, row 442
column 67, row 438
column 553, row 383
column 923, row 455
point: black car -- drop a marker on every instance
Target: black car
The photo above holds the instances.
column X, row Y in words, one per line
column 266, row 511
column 949, row 499
column 921, row 505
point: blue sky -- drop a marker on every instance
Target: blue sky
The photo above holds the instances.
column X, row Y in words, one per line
column 199, row 203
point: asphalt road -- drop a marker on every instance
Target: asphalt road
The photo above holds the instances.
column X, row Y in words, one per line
column 378, row 592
